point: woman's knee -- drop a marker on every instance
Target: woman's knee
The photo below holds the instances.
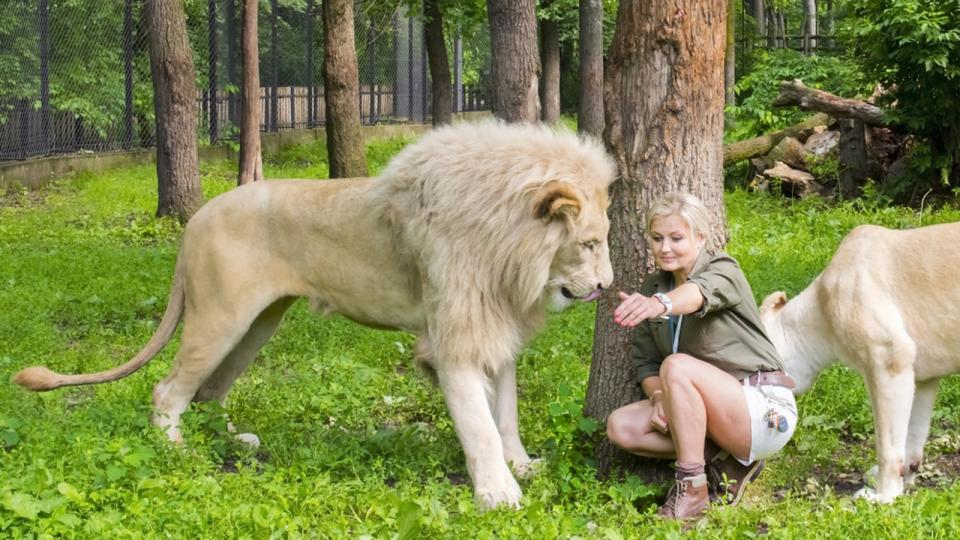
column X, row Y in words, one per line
column 619, row 426
column 677, row 366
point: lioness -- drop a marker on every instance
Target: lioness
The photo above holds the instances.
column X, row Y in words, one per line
column 466, row 239
column 886, row 306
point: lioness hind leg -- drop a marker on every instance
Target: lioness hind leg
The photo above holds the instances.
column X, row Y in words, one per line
column 919, row 428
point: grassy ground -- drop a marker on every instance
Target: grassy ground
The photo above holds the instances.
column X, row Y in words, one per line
column 354, row 443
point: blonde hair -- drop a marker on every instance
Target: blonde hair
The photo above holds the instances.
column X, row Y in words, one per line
column 685, row 205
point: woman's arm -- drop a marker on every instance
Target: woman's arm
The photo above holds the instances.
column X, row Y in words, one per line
column 636, row 308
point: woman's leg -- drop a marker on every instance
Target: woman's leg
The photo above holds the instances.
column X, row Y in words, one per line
column 629, row 427
column 703, row 401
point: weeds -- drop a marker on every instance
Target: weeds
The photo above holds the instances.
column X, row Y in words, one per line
column 354, row 443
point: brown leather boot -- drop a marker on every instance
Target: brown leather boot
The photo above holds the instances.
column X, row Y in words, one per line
column 687, row 499
column 728, row 478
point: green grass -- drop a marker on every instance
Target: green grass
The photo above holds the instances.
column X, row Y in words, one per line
column 355, row 443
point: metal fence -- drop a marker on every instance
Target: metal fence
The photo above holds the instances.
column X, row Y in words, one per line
column 75, row 74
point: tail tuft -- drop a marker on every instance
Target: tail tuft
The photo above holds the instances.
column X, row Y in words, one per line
column 38, row 379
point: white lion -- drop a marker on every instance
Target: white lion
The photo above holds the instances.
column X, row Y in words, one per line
column 887, row 307
column 466, row 239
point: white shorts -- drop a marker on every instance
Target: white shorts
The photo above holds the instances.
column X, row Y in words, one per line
column 768, row 404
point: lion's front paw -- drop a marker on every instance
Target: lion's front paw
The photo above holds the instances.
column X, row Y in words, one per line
column 249, row 439
column 508, row 494
column 528, row 469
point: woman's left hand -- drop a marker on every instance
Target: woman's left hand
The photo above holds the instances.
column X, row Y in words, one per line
column 636, row 308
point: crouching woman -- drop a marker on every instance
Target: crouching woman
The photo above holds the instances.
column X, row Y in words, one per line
column 716, row 397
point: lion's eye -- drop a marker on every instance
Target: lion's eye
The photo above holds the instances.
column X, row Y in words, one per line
column 590, row 245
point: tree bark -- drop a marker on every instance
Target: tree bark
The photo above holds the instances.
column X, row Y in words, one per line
column 175, row 106
column 760, row 17
column 550, row 81
column 795, row 93
column 439, row 64
column 590, row 113
column 251, row 160
column 341, row 85
column 758, row 146
column 810, row 26
column 515, row 60
column 853, row 156
column 664, row 114
column 730, row 59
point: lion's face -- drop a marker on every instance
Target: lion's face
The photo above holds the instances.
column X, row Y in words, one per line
column 581, row 268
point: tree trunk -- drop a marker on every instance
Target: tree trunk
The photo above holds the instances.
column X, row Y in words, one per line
column 175, row 106
column 439, row 64
column 515, row 60
column 251, row 161
column 758, row 146
column 760, row 17
column 730, row 60
column 853, row 157
column 550, row 81
column 810, row 26
column 664, row 114
column 342, row 91
column 590, row 113
column 795, row 93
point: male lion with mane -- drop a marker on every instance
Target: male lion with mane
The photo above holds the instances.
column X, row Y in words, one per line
column 466, row 239
column 886, row 305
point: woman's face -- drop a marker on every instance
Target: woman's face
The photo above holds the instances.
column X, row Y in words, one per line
column 674, row 246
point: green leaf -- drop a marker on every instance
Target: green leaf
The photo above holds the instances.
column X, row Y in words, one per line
column 409, row 520
column 21, row 504
column 115, row 472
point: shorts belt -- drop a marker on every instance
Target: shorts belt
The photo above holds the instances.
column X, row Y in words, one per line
column 775, row 378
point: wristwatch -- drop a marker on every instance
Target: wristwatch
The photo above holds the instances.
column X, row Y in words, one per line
column 667, row 303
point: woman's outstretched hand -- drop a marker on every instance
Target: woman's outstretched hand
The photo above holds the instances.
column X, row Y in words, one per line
column 636, row 308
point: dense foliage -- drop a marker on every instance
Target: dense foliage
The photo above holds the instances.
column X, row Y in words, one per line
column 757, row 88
column 355, row 443
column 912, row 47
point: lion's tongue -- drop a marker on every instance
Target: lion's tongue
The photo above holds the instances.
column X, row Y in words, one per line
column 592, row 296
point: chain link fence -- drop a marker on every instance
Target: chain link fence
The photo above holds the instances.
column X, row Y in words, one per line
column 75, row 74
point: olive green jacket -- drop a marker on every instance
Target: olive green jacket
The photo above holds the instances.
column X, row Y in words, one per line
column 725, row 332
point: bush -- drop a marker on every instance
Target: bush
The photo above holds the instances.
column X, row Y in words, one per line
column 912, row 47
column 758, row 88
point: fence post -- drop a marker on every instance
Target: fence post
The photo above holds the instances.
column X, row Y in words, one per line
column 458, row 71
column 410, row 84
column 212, row 74
column 275, row 61
column 370, row 53
column 128, row 75
column 293, row 107
column 424, row 89
column 230, row 17
column 311, row 114
column 43, row 23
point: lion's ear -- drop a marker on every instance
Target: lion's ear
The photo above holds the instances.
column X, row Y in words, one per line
column 556, row 200
column 774, row 301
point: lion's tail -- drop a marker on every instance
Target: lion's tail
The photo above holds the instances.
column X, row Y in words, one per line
column 39, row 378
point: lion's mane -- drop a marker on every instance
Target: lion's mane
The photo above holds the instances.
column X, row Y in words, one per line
column 461, row 201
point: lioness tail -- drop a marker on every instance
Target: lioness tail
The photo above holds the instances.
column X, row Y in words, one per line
column 39, row 378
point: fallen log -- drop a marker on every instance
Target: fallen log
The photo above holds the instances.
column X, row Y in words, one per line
column 795, row 93
column 758, row 146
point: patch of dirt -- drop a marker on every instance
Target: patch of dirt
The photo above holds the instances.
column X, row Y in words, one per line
column 458, row 478
column 22, row 198
column 230, row 462
column 939, row 470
